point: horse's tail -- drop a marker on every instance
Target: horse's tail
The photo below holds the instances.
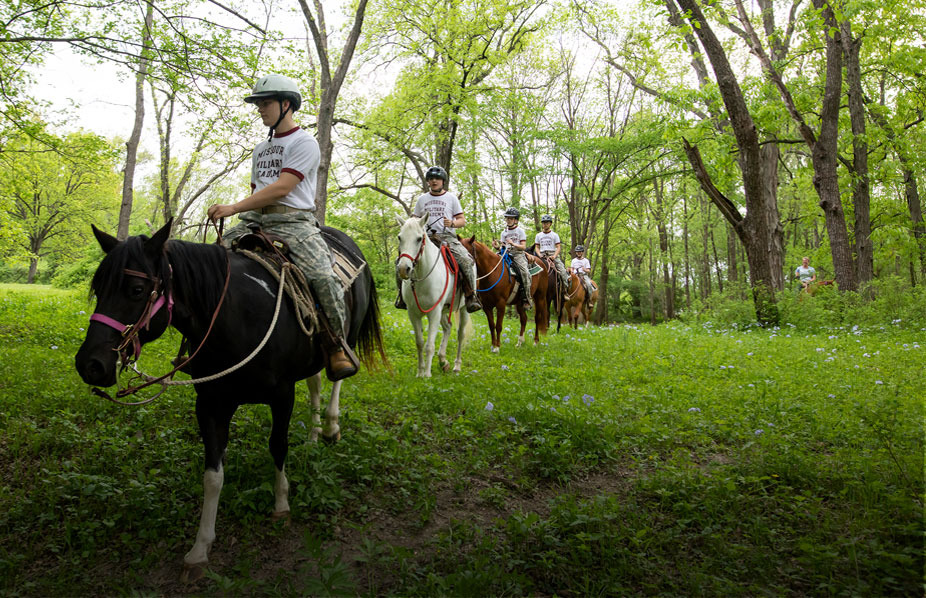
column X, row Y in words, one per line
column 467, row 326
column 370, row 337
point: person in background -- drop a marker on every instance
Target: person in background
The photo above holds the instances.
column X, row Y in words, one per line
column 581, row 267
column 805, row 273
column 446, row 216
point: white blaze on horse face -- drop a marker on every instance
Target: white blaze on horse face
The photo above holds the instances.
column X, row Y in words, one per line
column 410, row 240
column 212, row 487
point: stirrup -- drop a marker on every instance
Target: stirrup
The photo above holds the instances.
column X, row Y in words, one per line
column 400, row 302
column 342, row 368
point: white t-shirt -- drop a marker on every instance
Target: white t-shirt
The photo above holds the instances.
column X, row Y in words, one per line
column 581, row 265
column 516, row 235
column 445, row 205
column 805, row 274
column 295, row 152
column 547, row 241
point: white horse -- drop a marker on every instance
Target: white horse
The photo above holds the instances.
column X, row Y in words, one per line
column 430, row 289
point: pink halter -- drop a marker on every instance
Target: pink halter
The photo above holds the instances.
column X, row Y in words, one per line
column 130, row 332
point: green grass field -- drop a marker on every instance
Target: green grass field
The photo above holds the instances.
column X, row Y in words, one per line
column 630, row 460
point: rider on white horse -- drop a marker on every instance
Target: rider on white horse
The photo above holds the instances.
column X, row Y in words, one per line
column 446, row 215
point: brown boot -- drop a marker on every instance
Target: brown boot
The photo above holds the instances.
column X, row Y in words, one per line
column 340, row 362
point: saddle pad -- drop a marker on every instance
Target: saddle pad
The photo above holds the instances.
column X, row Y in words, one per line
column 534, row 269
column 343, row 267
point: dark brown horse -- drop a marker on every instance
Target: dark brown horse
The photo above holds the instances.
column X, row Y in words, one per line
column 496, row 286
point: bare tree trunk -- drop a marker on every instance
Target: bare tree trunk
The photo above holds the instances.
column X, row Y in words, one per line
column 131, row 146
column 825, row 157
column 861, row 193
column 330, row 88
column 601, row 310
column 732, row 273
column 687, row 256
column 664, row 247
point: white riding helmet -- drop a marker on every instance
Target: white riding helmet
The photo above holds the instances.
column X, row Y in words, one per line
column 276, row 86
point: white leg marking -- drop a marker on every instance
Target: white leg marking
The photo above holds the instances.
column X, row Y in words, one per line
column 315, row 397
column 332, row 413
column 281, row 493
column 212, row 486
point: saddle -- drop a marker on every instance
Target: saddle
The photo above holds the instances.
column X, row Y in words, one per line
column 266, row 243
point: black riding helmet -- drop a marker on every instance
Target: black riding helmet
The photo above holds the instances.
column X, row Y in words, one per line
column 546, row 218
column 512, row 213
column 436, row 172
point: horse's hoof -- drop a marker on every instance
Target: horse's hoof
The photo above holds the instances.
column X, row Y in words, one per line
column 280, row 516
column 495, row 349
column 333, row 439
column 445, row 367
column 191, row 573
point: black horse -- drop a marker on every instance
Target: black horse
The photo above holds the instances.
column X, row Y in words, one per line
column 155, row 283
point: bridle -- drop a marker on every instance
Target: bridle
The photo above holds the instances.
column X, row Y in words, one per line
column 414, row 259
column 156, row 300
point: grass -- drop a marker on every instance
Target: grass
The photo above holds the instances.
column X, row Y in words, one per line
column 631, row 460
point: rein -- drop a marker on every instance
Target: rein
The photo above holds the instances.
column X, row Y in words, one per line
column 130, row 361
column 415, row 260
column 501, row 261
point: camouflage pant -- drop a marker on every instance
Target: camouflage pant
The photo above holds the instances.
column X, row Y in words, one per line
column 463, row 258
column 307, row 249
column 519, row 259
column 560, row 267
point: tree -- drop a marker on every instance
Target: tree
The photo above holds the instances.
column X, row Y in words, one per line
column 330, row 88
column 54, row 196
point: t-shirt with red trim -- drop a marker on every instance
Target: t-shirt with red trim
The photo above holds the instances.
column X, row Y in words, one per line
column 295, row 152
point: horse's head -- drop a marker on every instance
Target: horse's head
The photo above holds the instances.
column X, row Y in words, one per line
column 412, row 241
column 132, row 289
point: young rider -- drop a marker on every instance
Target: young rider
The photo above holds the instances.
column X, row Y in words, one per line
column 516, row 240
column 284, row 170
column 446, row 215
column 582, row 267
column 547, row 244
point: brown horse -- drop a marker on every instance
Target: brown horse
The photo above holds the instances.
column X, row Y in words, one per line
column 574, row 304
column 496, row 285
column 556, row 290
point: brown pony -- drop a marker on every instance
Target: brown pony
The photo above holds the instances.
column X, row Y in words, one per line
column 574, row 303
column 495, row 283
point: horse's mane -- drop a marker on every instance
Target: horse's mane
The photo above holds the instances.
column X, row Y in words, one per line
column 198, row 272
column 195, row 272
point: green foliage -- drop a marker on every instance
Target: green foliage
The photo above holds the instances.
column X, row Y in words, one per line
column 677, row 460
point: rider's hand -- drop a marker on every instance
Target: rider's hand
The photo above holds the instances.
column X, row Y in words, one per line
column 448, row 223
column 221, row 211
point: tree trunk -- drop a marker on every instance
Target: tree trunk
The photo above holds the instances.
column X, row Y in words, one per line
column 330, row 89
column 131, row 146
column 732, row 272
column 33, row 268
column 601, row 310
column 861, row 193
column 756, row 229
column 825, row 159
column 687, row 256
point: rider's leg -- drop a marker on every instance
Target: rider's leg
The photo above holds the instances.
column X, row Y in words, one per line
column 399, row 300
column 468, row 271
column 313, row 257
column 521, row 262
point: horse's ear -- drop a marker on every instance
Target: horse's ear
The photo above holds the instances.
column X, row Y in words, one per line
column 155, row 245
column 400, row 220
column 106, row 241
column 472, row 239
column 424, row 220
